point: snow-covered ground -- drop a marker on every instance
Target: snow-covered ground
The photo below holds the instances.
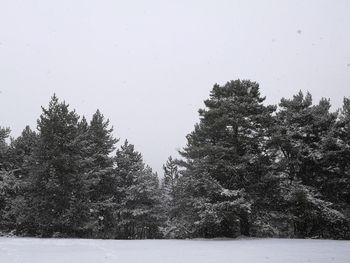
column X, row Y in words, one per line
column 31, row 250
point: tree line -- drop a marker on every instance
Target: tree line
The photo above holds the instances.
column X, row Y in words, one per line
column 248, row 169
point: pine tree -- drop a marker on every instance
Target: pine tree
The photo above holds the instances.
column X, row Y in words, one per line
column 4, row 177
column 170, row 196
column 19, row 153
column 99, row 166
column 335, row 163
column 301, row 133
column 169, row 183
column 171, row 173
column 138, row 196
column 226, row 159
column 337, row 149
column 4, row 134
column 56, row 190
column 21, row 149
column 344, row 165
column 303, row 127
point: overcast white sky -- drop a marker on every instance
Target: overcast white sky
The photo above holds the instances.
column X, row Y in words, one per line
column 148, row 65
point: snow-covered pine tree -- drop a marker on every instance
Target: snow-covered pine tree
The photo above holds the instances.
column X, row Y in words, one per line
column 336, row 165
column 138, row 196
column 337, row 150
column 342, row 155
column 4, row 177
column 170, row 196
column 226, row 161
column 19, row 153
column 302, row 130
column 100, row 178
column 4, row 134
column 57, row 193
column 21, row 148
column 171, row 175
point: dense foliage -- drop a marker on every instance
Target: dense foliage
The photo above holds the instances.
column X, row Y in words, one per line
column 248, row 169
column 63, row 181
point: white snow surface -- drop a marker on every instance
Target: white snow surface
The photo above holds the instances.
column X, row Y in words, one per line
column 35, row 250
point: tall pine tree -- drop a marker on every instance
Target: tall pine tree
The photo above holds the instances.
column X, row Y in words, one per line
column 99, row 169
column 302, row 132
column 56, row 190
column 226, row 159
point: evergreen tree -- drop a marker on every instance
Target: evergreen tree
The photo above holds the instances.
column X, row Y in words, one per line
column 4, row 176
column 301, row 133
column 138, row 196
column 226, row 159
column 21, row 149
column 4, row 134
column 56, row 189
column 6, row 193
column 170, row 196
column 19, row 153
column 337, row 156
column 99, row 166
column 335, row 164
column 169, row 183
column 171, row 174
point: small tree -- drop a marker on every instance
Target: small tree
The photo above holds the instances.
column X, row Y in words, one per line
column 4, row 134
column 138, row 196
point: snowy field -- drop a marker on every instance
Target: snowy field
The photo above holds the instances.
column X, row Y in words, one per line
column 30, row 250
